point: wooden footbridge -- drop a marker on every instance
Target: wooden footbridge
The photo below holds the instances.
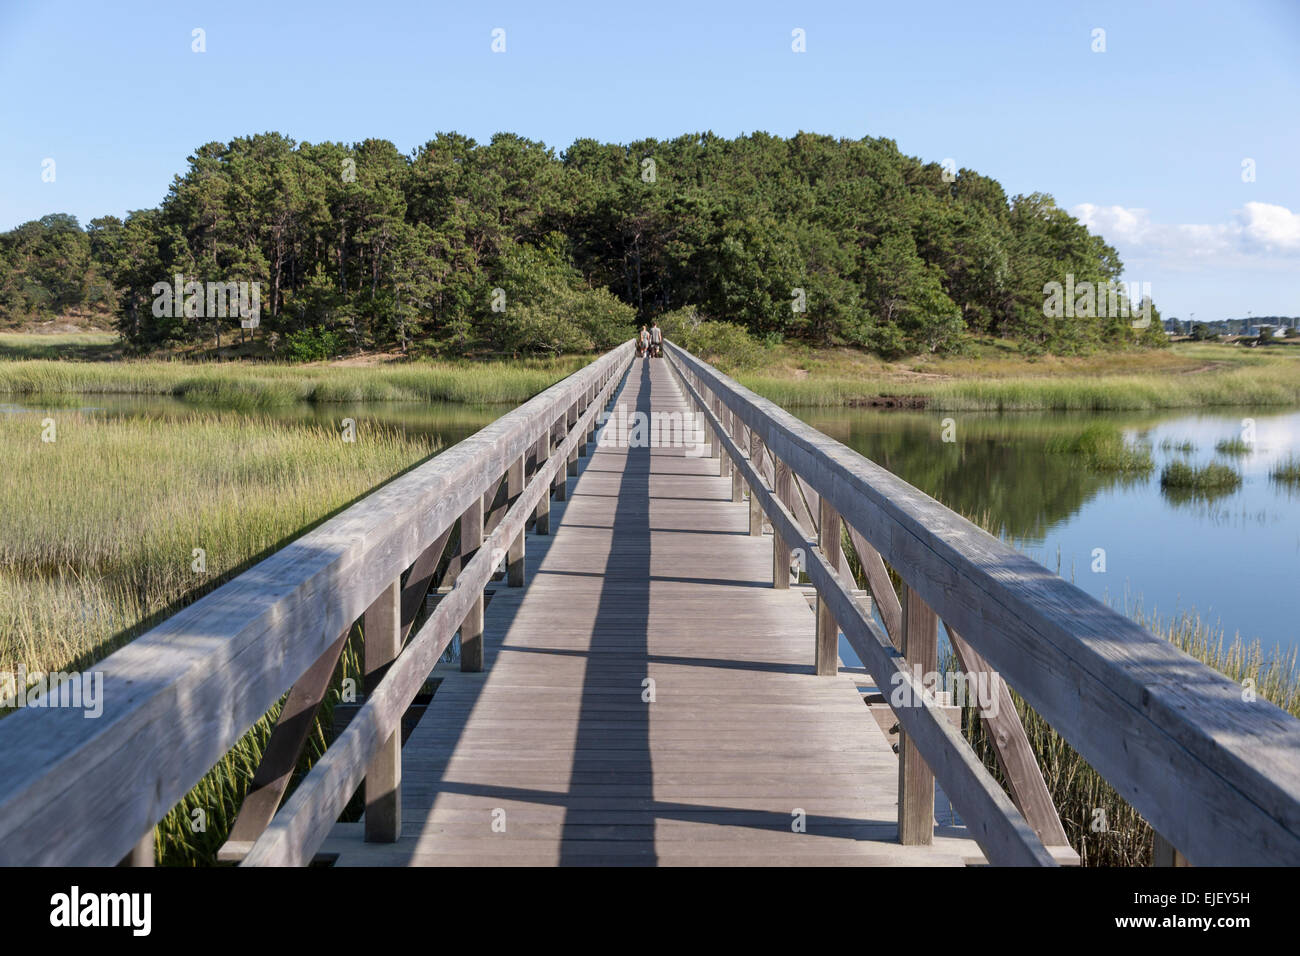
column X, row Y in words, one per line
column 648, row 681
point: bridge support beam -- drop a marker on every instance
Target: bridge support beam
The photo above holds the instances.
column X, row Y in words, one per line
column 383, row 642
column 920, row 629
column 471, row 630
column 571, row 419
column 755, row 506
column 828, row 631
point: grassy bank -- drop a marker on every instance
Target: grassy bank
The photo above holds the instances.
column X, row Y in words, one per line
column 252, row 386
column 98, row 530
column 1184, row 376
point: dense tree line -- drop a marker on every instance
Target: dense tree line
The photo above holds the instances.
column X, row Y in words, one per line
column 508, row 247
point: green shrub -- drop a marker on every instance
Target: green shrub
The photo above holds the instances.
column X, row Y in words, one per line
column 720, row 343
column 313, row 345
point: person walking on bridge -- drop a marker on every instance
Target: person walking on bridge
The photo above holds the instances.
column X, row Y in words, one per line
column 643, row 342
column 656, row 340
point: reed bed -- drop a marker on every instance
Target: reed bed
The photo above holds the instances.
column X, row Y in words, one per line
column 1101, row 447
column 98, row 531
column 251, row 386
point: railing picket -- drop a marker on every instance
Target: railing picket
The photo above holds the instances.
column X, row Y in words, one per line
column 471, row 630
column 383, row 642
column 828, row 631
column 515, row 556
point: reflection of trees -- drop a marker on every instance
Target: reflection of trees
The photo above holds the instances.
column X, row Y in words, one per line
column 996, row 473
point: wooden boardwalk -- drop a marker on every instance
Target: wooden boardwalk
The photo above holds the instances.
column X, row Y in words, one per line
column 554, row 754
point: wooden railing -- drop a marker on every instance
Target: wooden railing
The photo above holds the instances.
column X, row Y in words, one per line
column 89, row 791
column 1215, row 771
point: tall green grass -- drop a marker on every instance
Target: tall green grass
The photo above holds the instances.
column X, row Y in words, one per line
column 1214, row 478
column 1101, row 446
column 250, row 386
column 98, row 530
column 1287, row 470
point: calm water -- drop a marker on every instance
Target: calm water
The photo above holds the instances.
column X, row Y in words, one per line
column 1234, row 559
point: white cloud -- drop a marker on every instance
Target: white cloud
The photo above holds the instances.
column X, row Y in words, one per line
column 1258, row 232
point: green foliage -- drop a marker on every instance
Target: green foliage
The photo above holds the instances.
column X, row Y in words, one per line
column 312, row 345
column 809, row 239
column 721, row 343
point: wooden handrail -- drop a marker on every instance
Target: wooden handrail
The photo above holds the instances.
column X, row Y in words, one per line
column 991, row 816
column 85, row 792
column 1217, row 774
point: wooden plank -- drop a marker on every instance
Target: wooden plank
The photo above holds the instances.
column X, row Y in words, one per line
column 1218, row 774
column 471, row 628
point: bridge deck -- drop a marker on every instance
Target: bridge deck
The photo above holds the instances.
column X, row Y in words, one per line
column 650, row 572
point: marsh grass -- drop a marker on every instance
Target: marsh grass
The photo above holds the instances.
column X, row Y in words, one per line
column 1185, row 376
column 1183, row 446
column 98, row 529
column 251, row 386
column 1287, row 470
column 1213, row 478
column 1101, row 446
column 1232, row 446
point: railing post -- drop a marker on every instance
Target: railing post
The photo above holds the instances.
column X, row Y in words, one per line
column 737, row 480
column 571, row 419
column 561, row 485
column 715, row 446
column 515, row 555
column 383, row 642
column 755, row 509
column 1163, row 852
column 142, row 854
column 724, row 460
column 543, row 510
column 471, row 631
column 920, row 629
column 780, row 547
column 828, row 631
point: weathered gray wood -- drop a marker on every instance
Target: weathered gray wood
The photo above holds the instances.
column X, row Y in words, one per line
column 828, row 632
column 555, row 737
column 142, row 854
column 515, row 555
column 997, row 825
column 1216, row 773
column 203, row 676
column 419, row 580
column 542, row 515
column 300, row 828
column 1163, row 853
column 1011, row 746
column 915, row 780
column 755, row 509
column 383, row 643
column 781, row 549
column 292, row 728
column 471, row 628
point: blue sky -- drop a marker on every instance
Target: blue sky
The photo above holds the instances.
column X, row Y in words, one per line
column 1144, row 141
